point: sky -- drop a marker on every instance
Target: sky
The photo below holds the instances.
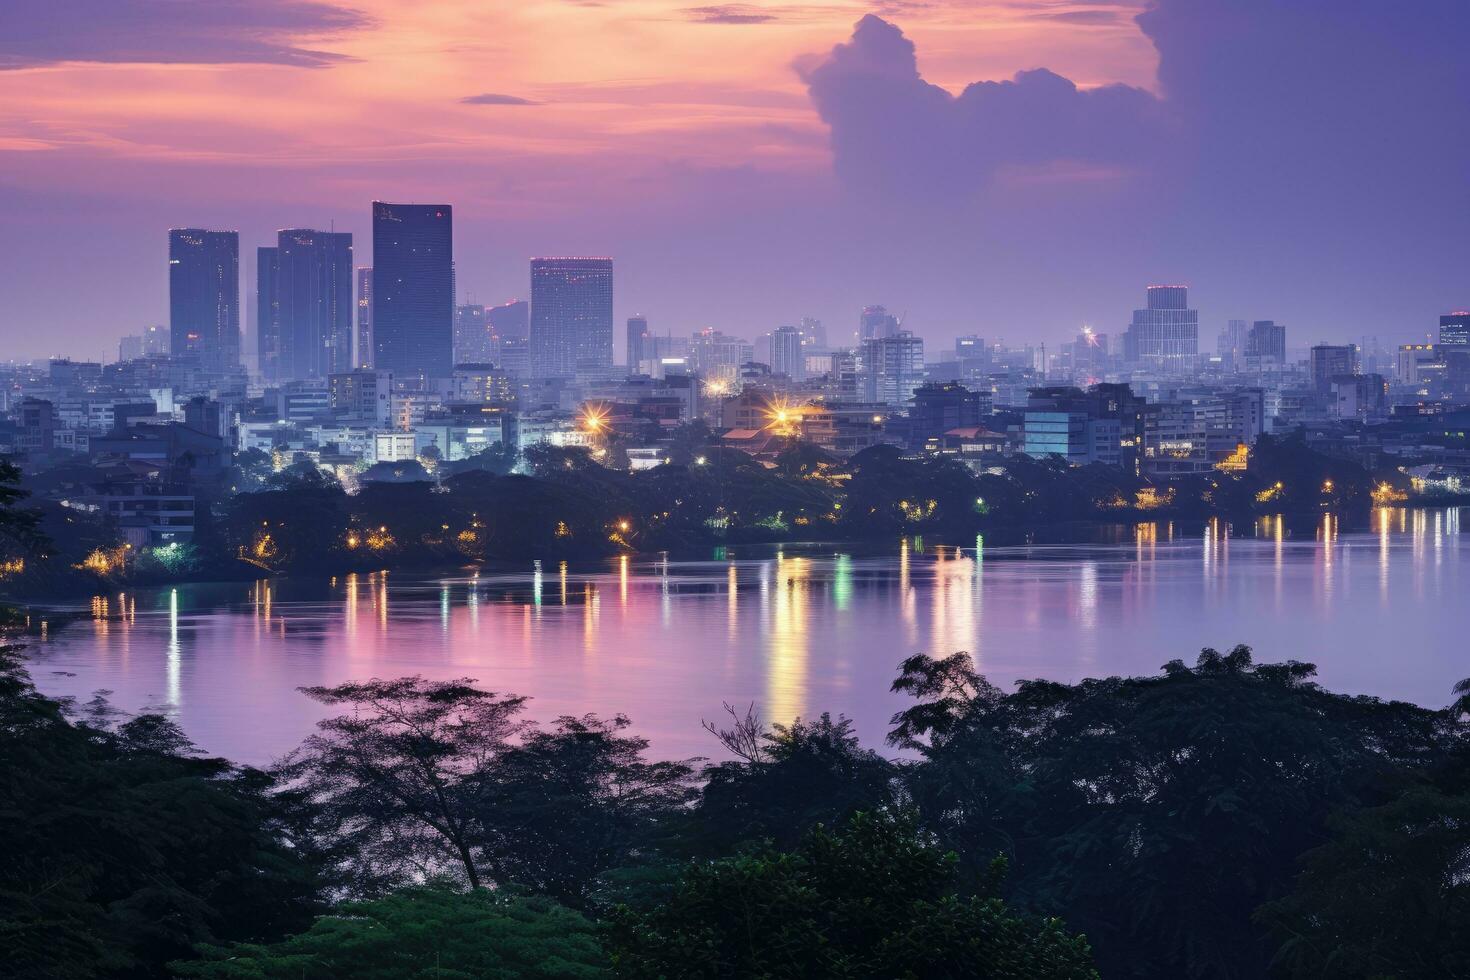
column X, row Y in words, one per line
column 1008, row 168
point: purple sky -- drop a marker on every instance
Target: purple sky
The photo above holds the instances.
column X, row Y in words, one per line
column 1001, row 167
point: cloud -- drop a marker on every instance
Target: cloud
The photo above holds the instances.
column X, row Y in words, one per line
column 730, row 13
column 895, row 132
column 496, row 98
column 43, row 32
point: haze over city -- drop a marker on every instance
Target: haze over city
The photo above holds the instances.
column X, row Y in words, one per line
column 750, row 164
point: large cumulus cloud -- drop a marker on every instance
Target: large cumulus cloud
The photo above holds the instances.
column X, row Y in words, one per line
column 1277, row 103
column 893, row 131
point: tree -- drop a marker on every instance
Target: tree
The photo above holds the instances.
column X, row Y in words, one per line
column 1192, row 794
column 788, row 779
column 571, row 803
column 123, row 847
column 1387, row 896
column 878, row 899
column 399, row 782
column 433, row 933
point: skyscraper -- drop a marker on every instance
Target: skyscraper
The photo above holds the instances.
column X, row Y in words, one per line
column 204, row 297
column 1166, row 331
column 1267, row 341
column 814, row 335
column 892, row 367
column 1329, row 361
column 1233, row 339
column 472, row 335
column 637, row 334
column 363, row 353
column 267, row 313
column 1454, row 332
column 413, row 290
column 312, row 273
column 571, row 315
column 876, row 322
column 787, row 356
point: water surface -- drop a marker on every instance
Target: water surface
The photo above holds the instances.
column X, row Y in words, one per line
column 796, row 630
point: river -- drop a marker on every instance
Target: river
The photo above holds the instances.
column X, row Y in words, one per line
column 796, row 630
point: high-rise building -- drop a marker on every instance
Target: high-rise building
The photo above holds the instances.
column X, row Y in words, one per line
column 363, row 352
column 413, row 290
column 814, row 335
column 267, row 313
column 636, row 337
column 305, row 288
column 875, row 322
column 787, row 356
column 1329, row 361
column 472, row 343
column 571, row 315
column 1267, row 341
column 204, row 297
column 1454, row 332
column 892, row 367
column 1165, row 332
column 718, row 355
column 1233, row 339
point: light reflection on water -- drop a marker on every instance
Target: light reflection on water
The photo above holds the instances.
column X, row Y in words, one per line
column 796, row 630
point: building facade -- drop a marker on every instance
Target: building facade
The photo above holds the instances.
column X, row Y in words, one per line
column 204, row 297
column 571, row 315
column 413, row 290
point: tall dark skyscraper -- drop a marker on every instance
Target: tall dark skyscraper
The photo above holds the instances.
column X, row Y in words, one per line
column 267, row 313
column 1166, row 331
column 571, row 315
column 637, row 334
column 413, row 289
column 204, row 297
column 363, row 349
column 312, row 323
column 1267, row 340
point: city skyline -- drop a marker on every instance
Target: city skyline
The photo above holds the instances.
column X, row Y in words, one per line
column 730, row 173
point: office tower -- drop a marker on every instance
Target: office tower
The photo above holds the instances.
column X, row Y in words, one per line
column 892, row 367
column 876, row 322
column 267, row 313
column 1233, row 339
column 1330, row 361
column 472, row 343
column 413, row 290
column 787, row 355
column 1412, row 361
column 362, row 395
column 204, row 297
column 571, row 315
column 1165, row 332
column 814, row 335
column 1267, row 341
column 718, row 355
column 304, row 305
column 1454, row 332
column 363, row 352
column 1089, row 354
column 636, row 337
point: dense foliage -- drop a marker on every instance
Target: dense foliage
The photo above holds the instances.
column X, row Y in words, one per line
column 1220, row 820
column 421, row 932
column 878, row 899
